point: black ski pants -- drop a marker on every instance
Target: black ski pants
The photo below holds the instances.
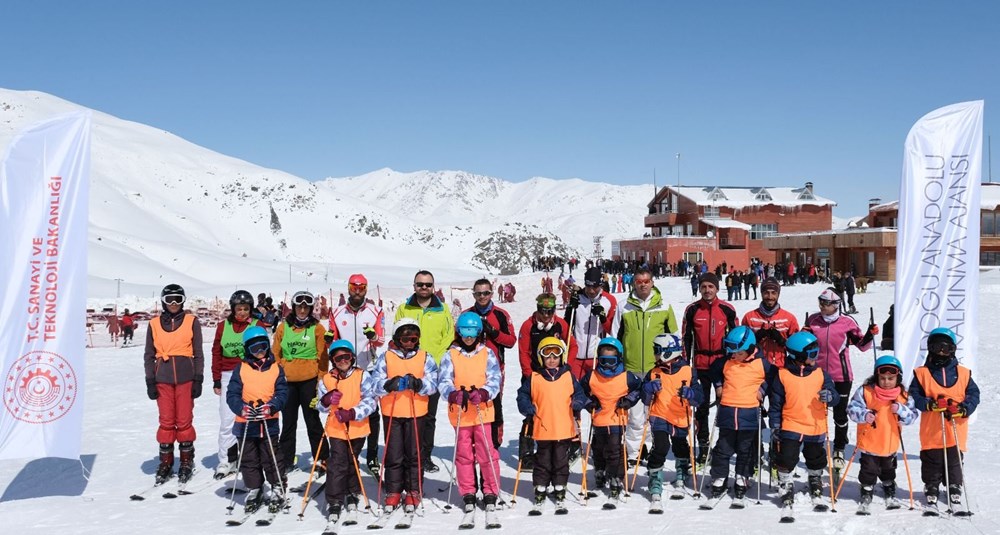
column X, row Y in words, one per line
column 741, row 442
column 300, row 394
column 607, row 448
column 551, row 463
column 840, row 414
column 375, row 425
column 401, row 467
column 932, row 466
column 787, row 455
column 662, row 441
column 429, row 426
column 341, row 476
column 874, row 468
column 258, row 462
column 701, row 413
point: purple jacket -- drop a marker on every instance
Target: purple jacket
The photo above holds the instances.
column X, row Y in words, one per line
column 834, row 342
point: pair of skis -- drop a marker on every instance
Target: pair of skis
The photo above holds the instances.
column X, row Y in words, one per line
column 403, row 523
column 469, row 519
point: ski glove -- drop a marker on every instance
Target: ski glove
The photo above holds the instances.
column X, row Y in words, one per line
column 328, row 337
column 332, row 398
column 956, row 410
column 938, row 405
column 369, row 333
column 826, row 396
column 265, row 411
column 574, row 300
column 345, row 415
column 479, row 395
column 870, row 417
column 530, row 412
column 624, row 403
column 217, row 385
column 652, row 387
column 313, row 402
column 196, row 386
column 413, row 383
column 404, row 383
column 457, row 397
column 250, row 412
column 392, row 385
column 597, row 309
column 686, row 392
column 151, row 390
column 490, row 331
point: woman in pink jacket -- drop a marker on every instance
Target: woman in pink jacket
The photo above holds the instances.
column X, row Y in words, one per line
column 836, row 332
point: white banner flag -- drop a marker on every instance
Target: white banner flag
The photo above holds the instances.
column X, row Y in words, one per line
column 44, row 184
column 937, row 251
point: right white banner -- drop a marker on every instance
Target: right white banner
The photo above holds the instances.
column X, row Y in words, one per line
column 937, row 251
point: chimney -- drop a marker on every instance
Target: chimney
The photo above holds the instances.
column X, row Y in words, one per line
column 809, row 187
column 872, row 203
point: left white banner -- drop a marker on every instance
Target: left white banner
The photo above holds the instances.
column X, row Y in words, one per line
column 44, row 190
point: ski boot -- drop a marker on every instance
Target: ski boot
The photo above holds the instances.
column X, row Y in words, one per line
column 540, row 495
column 702, row 457
column 254, row 498
column 718, row 487
column 889, row 489
column 223, row 471
column 166, row 468
column 600, row 479
column 187, row 462
column 469, row 501
column 374, row 467
column 683, row 469
column 410, row 503
column 276, row 502
column 955, row 494
column 838, row 461
column 615, row 485
column 559, row 492
column 740, row 488
column 333, row 512
column 490, row 502
column 392, row 501
column 525, row 453
column 574, row 451
column 816, row 483
column 866, row 495
column 787, row 488
column 931, row 493
column 655, row 481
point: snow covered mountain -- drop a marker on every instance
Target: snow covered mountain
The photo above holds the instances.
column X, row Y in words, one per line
column 164, row 209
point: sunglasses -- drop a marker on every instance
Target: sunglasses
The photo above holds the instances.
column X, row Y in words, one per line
column 551, row 352
column 485, row 293
column 423, row 284
column 887, row 370
column 352, row 287
column 643, row 281
column 827, row 302
column 257, row 348
column 592, row 284
column 303, row 300
column 173, row 299
column 546, row 311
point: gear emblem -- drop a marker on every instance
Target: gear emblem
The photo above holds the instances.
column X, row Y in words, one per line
column 40, row 387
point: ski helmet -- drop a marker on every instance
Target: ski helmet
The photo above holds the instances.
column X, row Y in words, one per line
column 942, row 332
column 802, row 346
column 408, row 329
column 340, row 346
column 549, row 346
column 469, row 325
column 303, row 298
column 941, row 344
column 240, row 297
column 667, row 347
column 172, row 292
column 610, row 365
column 886, row 360
column 255, row 340
column 740, row 339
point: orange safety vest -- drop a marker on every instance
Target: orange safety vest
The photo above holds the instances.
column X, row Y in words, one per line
column 608, row 390
column 553, row 401
column 742, row 382
column 881, row 437
column 173, row 344
column 930, row 421
column 667, row 404
column 803, row 412
column 350, row 389
column 258, row 385
column 470, row 371
column 405, row 404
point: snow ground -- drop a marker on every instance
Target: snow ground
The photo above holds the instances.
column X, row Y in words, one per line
column 52, row 495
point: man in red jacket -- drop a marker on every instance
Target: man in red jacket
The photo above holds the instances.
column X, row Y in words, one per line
column 771, row 324
column 498, row 334
column 706, row 323
column 540, row 325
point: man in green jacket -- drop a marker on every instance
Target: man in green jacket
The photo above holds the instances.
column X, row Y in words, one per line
column 644, row 315
column 437, row 332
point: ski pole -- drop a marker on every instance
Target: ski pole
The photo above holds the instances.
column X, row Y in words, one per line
column 906, row 463
column 586, row 455
column 274, row 459
column 236, row 476
column 642, row 442
column 708, row 457
column 691, row 443
column 517, row 477
column 944, row 452
column 454, row 456
column 843, row 477
column 357, row 469
column 305, row 495
column 420, row 459
column 388, row 434
column 622, row 420
column 829, row 462
column 488, row 446
column 961, row 462
column 760, row 434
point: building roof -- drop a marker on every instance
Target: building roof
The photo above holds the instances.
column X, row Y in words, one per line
column 724, row 223
column 743, row 197
column 989, row 199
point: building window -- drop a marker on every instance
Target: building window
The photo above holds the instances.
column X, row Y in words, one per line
column 989, row 258
column 988, row 227
column 870, row 263
column 712, row 211
column 717, row 195
column 762, row 195
column 759, row 231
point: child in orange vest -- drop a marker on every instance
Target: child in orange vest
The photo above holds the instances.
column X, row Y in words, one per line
column 612, row 392
column 347, row 394
column 740, row 386
column 946, row 395
column 470, row 379
column 801, row 393
column 879, row 407
column 669, row 391
column 256, row 394
column 549, row 397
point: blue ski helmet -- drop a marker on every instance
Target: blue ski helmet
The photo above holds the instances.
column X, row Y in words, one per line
column 888, row 359
column 255, row 340
column 610, row 365
column 667, row 347
column 740, row 339
column 340, row 344
column 802, row 346
column 943, row 331
column 469, row 325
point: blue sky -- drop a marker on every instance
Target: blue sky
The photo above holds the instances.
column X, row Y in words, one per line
column 750, row 93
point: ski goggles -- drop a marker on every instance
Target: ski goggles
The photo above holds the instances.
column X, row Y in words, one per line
column 942, row 347
column 303, row 299
column 342, row 356
column 809, row 353
column 827, row 302
column 172, row 299
column 257, row 347
column 484, row 293
column 660, row 350
column 549, row 352
column 642, row 281
column 591, row 284
column 357, row 288
column 546, row 311
column 887, row 370
column 408, row 338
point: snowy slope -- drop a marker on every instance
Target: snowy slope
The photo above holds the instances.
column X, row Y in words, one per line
column 46, row 496
column 163, row 209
